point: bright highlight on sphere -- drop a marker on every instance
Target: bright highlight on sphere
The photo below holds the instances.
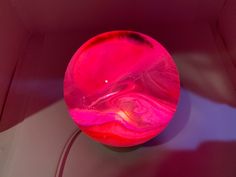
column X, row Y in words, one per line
column 121, row 88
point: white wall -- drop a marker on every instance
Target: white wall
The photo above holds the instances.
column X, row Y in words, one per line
column 13, row 38
column 33, row 147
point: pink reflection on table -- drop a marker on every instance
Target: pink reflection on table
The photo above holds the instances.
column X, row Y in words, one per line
column 121, row 88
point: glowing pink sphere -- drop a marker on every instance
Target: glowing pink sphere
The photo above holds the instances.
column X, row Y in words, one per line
column 121, row 88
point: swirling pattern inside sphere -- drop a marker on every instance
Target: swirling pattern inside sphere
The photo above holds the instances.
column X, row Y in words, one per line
column 121, row 88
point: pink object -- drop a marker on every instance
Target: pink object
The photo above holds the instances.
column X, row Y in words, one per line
column 121, row 88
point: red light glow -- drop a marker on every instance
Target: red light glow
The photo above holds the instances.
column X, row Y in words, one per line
column 121, row 88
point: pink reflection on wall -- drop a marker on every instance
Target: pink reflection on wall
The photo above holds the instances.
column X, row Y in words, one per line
column 121, row 88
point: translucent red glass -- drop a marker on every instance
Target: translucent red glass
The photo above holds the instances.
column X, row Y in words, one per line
column 121, row 88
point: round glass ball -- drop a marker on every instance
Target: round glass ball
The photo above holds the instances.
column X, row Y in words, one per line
column 122, row 88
